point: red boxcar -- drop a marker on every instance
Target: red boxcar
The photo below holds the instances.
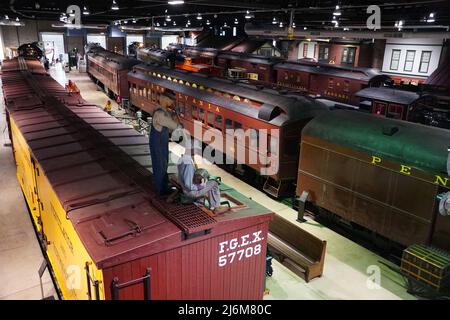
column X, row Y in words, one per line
column 86, row 180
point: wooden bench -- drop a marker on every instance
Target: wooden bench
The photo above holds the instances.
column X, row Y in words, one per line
column 297, row 249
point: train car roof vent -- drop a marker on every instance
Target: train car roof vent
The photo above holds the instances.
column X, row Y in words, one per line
column 390, row 130
column 268, row 112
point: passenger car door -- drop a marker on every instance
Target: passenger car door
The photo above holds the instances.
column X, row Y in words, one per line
column 379, row 108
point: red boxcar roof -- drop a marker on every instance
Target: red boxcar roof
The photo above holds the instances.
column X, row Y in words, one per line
column 105, row 191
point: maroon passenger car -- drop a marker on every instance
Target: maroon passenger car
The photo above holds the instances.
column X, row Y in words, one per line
column 222, row 105
column 336, row 83
column 110, row 69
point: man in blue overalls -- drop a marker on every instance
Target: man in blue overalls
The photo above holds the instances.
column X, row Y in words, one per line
column 162, row 124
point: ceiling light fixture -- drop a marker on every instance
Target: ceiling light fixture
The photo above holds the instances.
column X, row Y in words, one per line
column 168, row 18
column 249, row 15
column 336, row 12
column 399, row 25
column 199, row 17
column 208, row 22
column 85, row 11
column 431, row 18
column 236, row 21
column 175, row 2
column 114, row 5
column 274, row 20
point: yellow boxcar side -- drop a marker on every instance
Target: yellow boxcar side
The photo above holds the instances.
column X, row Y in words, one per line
column 66, row 252
column 25, row 173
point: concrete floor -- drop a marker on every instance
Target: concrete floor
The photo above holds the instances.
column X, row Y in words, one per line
column 348, row 270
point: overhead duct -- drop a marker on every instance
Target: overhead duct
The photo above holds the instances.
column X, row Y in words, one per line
column 160, row 29
column 276, row 32
column 80, row 26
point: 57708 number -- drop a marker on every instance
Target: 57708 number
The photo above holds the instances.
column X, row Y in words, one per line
column 239, row 255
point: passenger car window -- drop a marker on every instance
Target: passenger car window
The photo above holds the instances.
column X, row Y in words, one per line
column 254, row 135
column 181, row 108
column 201, row 113
column 194, row 112
column 228, row 124
column 330, row 83
column 219, row 122
column 346, row 86
column 211, row 118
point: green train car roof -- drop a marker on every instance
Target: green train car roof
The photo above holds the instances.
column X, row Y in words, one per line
column 417, row 145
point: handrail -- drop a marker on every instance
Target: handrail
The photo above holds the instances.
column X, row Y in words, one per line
column 90, row 282
column 146, row 279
